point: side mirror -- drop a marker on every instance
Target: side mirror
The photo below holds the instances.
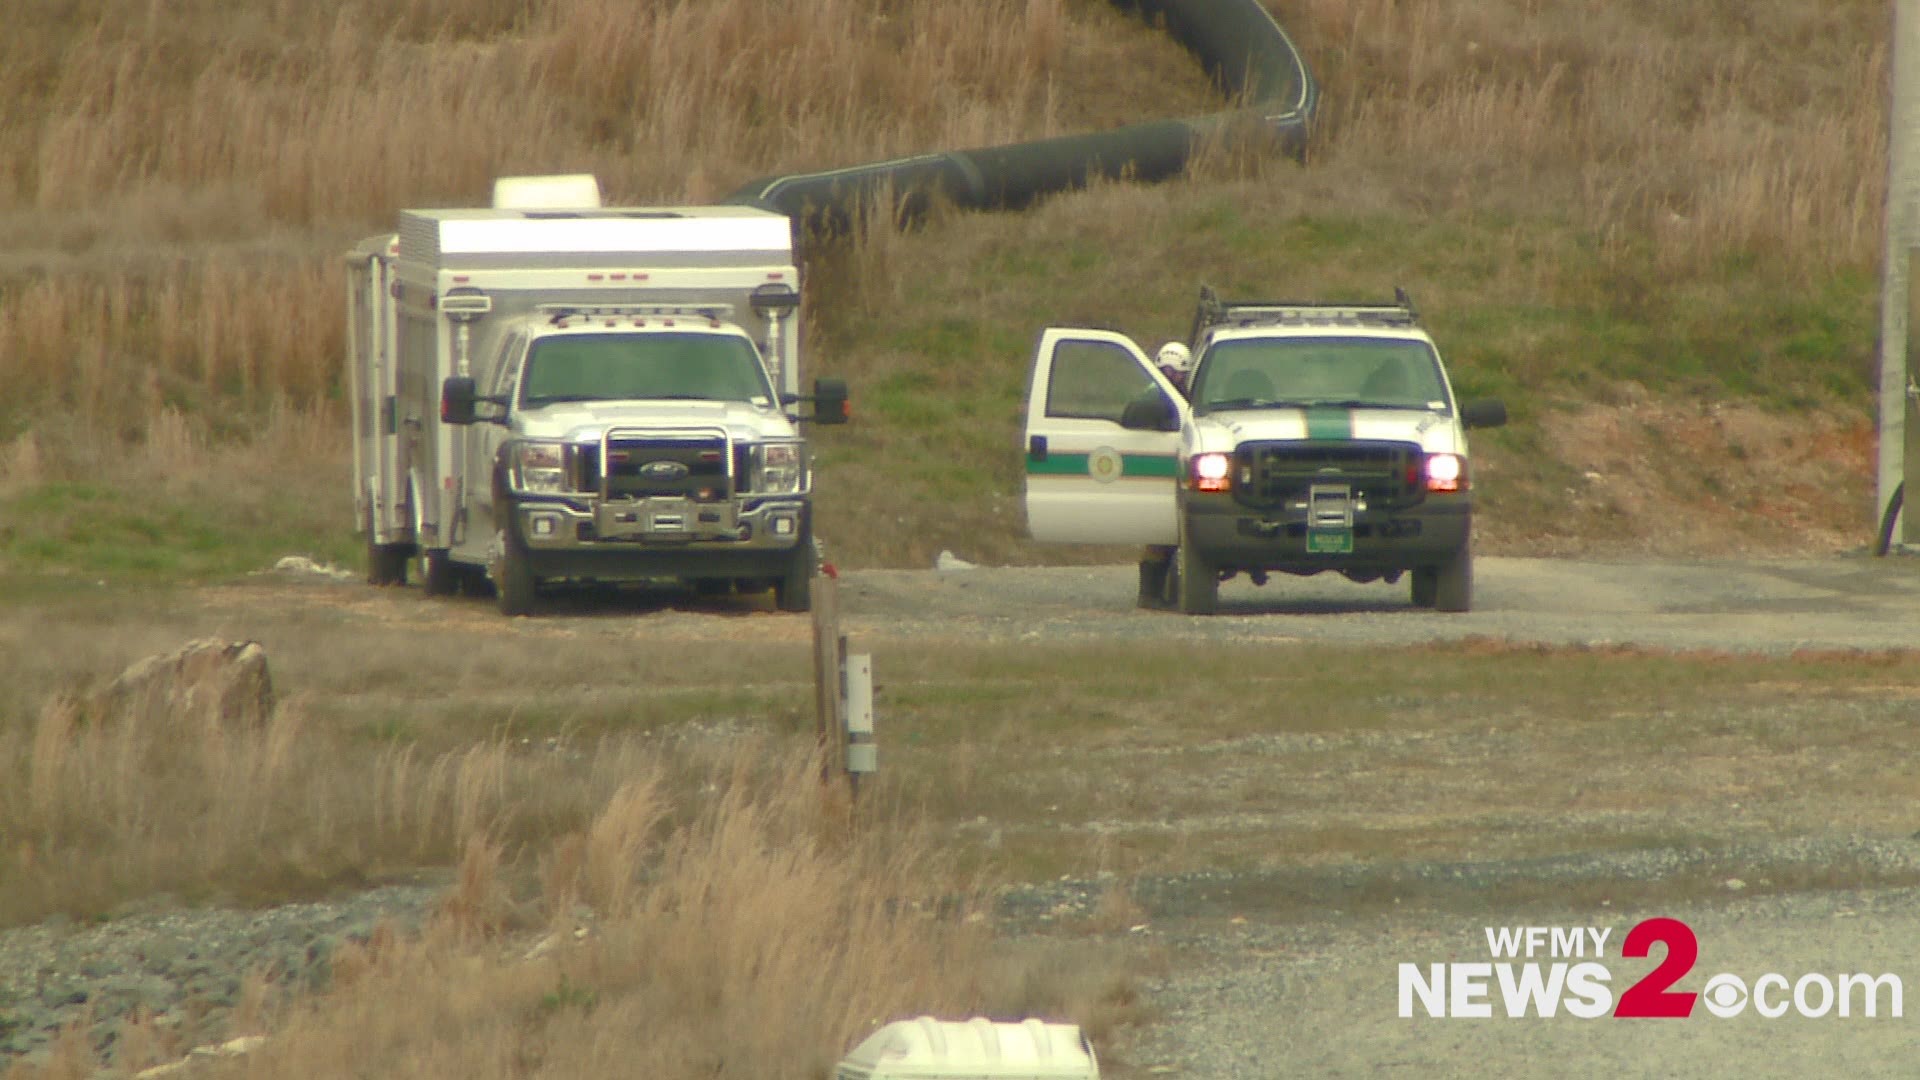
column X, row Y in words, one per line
column 1487, row 412
column 829, row 399
column 457, row 398
column 1152, row 413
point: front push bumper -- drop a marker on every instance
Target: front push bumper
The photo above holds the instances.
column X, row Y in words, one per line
column 661, row 537
column 1232, row 536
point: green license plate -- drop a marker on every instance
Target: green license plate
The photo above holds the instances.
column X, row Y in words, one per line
column 1329, row 541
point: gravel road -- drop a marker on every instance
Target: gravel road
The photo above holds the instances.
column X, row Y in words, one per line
column 1254, row 988
column 1257, row 991
column 1842, row 602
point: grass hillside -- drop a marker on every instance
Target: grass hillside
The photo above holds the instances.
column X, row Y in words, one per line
column 1651, row 226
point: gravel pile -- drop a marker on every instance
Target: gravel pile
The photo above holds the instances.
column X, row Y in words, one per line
column 183, row 968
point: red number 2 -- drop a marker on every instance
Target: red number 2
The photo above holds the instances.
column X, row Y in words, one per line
column 1650, row 996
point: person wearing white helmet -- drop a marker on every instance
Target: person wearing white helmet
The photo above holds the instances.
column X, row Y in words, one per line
column 1175, row 362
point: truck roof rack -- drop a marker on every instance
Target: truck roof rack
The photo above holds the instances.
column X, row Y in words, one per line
column 715, row 312
column 1213, row 311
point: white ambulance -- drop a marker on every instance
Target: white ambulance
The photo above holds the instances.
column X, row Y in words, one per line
column 550, row 390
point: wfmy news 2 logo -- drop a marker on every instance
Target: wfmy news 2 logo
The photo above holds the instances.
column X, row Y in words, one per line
column 1544, row 971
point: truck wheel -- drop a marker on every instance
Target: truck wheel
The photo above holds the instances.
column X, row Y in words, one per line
column 443, row 575
column 1426, row 582
column 386, row 563
column 1453, row 581
column 515, row 590
column 793, row 590
column 1154, row 569
column 1199, row 583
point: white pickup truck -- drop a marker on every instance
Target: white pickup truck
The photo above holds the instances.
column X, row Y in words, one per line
column 1309, row 437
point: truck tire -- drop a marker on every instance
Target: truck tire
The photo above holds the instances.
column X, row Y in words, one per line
column 1154, row 569
column 1453, row 581
column 1199, row 584
column 515, row 589
column 793, row 589
column 1426, row 583
column 386, row 563
column 442, row 577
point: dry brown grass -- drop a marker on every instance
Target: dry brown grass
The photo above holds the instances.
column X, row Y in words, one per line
column 1703, row 133
column 709, row 913
column 723, row 890
column 317, row 115
column 103, row 802
column 100, row 811
column 174, row 184
column 205, row 337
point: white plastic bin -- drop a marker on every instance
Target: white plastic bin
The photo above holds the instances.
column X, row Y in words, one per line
column 977, row 1049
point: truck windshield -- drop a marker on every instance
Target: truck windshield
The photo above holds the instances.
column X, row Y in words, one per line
column 641, row 366
column 1355, row 372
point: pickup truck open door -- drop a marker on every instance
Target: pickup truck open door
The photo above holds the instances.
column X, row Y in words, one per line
column 1102, row 442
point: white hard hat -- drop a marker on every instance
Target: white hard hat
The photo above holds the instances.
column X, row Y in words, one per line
column 1175, row 355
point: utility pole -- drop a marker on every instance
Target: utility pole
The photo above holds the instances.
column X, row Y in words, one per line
column 1903, row 183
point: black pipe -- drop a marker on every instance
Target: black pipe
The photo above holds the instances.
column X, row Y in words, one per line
column 1248, row 55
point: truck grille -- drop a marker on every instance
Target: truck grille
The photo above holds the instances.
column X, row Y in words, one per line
column 1271, row 475
column 644, row 466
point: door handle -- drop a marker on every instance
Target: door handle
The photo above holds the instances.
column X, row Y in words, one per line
column 1037, row 447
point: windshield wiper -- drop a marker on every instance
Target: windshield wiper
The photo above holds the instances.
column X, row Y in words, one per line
column 538, row 400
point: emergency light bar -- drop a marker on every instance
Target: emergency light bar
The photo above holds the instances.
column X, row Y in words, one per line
column 1214, row 311
column 715, row 312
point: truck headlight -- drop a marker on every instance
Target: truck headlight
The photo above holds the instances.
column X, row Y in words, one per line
column 540, row 467
column 779, row 468
column 1446, row 472
column 1211, row 472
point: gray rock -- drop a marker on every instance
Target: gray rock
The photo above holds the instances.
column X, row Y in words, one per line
column 227, row 679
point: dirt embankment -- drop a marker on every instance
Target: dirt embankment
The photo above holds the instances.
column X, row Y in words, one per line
column 1640, row 475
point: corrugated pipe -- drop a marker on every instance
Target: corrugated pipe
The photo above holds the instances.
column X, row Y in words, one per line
column 1250, row 57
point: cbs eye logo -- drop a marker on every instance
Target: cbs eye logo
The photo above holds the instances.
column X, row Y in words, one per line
column 1725, row 996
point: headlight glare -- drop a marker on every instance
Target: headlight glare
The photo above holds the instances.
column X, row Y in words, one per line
column 1210, row 472
column 1446, row 472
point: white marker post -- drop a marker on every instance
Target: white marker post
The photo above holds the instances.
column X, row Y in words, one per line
column 863, row 754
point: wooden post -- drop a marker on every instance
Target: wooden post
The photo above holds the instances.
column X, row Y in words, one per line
column 829, row 650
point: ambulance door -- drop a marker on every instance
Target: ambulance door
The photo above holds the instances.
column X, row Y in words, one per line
column 497, row 380
column 1092, row 479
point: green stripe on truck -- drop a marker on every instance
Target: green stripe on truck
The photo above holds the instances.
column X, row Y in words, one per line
column 1076, row 465
column 1329, row 425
